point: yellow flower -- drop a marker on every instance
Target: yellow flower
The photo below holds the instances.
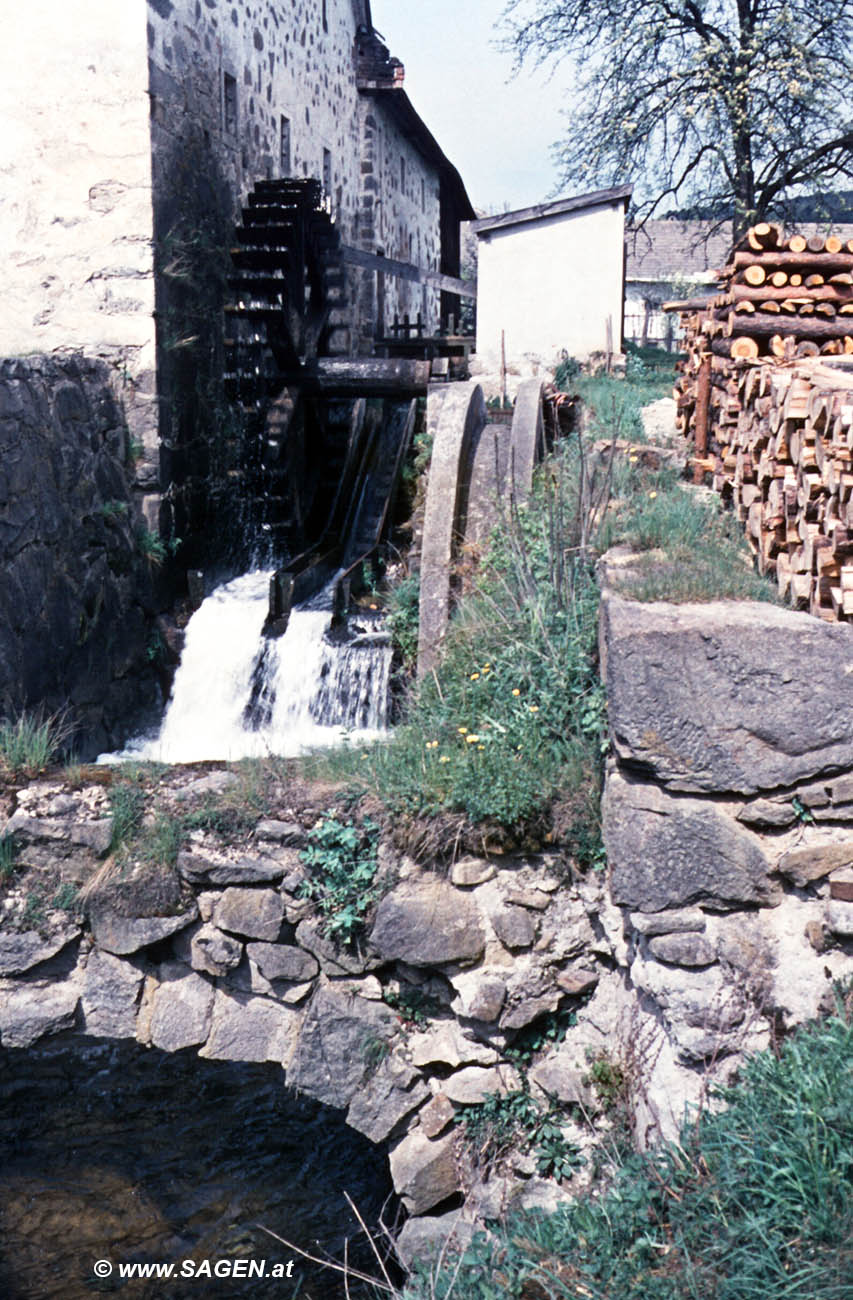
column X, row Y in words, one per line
column 652, row 496
column 516, row 691
column 481, row 746
column 461, row 730
column 534, row 708
column 471, row 740
column 474, row 676
column 444, row 759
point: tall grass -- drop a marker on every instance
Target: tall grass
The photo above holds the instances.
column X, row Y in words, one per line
column 29, row 743
column 755, row 1203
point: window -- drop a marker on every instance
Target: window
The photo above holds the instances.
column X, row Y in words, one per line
column 327, row 173
column 423, row 196
column 285, row 161
column 402, row 173
column 229, row 104
column 325, row 17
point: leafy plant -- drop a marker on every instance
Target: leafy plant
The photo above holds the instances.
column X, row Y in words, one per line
column 402, row 618
column 114, row 509
column 608, row 1080
column 127, row 806
column 541, row 1033
column 155, row 549
column 341, row 857
column 414, row 1006
column 516, row 1121
column 568, row 369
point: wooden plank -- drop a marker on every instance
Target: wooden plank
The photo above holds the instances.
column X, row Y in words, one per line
column 408, row 271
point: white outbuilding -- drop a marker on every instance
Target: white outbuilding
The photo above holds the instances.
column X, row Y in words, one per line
column 551, row 279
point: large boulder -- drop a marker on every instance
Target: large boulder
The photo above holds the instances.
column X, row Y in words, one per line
column 729, row 696
column 425, row 1172
column 667, row 852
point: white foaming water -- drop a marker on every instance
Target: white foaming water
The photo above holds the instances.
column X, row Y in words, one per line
column 237, row 694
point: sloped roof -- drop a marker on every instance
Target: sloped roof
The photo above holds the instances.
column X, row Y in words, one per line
column 544, row 211
column 664, row 249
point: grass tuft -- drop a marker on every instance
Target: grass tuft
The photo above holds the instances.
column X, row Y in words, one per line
column 29, row 744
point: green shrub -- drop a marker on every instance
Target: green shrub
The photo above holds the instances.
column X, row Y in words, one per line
column 29, row 744
column 402, row 616
column 755, row 1202
column 341, row 858
column 8, row 854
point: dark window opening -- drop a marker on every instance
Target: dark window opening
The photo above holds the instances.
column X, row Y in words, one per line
column 229, row 104
column 285, row 161
column 327, row 173
column 402, row 172
column 325, row 17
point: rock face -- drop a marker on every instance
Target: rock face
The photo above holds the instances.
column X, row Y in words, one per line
column 77, row 610
column 732, row 696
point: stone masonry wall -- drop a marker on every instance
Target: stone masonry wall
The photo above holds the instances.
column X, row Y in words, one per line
column 76, row 594
column 75, row 208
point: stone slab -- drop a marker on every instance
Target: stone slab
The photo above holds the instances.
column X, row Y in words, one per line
column 727, row 696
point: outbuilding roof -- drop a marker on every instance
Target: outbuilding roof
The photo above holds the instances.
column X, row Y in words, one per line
column 545, row 211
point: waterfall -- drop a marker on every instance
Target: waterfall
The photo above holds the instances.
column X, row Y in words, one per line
column 238, row 694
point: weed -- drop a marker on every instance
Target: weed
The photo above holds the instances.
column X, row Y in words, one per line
column 374, row 1050
column 516, row 1121
column 30, row 743
column 127, row 805
column 159, row 843
column 155, row 549
column 804, row 815
column 568, row 370
column 341, row 857
column 34, row 909
column 65, row 898
column 114, row 509
column 414, row 1006
column 542, row 1033
column 607, row 1078
column 402, row 616
column 8, row 854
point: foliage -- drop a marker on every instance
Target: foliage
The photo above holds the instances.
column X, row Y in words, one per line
column 755, row 1201
column 735, row 105
column 541, row 1033
column 607, row 1077
column 30, row 743
column 402, row 618
column 613, row 405
column 414, row 1006
column 568, row 369
column 510, row 1121
column 65, row 897
column 154, row 548
column 341, row 857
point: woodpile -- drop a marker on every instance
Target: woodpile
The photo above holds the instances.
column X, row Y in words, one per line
column 766, row 396
column 788, row 470
column 781, row 298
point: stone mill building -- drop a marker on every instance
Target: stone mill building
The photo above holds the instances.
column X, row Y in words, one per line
column 133, row 133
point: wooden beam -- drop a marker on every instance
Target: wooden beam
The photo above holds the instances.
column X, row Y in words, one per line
column 408, row 271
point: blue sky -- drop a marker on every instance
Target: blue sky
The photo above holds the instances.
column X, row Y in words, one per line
column 498, row 130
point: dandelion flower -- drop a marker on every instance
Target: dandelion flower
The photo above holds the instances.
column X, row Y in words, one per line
column 444, row 759
column 474, row 676
column 471, row 739
column 652, row 496
column 534, row 708
column 516, row 691
column 461, row 730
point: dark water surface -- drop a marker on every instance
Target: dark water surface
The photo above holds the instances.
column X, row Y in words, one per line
column 109, row 1151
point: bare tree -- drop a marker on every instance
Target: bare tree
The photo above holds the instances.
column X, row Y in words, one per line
column 737, row 104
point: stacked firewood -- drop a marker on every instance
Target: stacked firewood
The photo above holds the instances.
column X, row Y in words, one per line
column 780, row 298
column 788, row 469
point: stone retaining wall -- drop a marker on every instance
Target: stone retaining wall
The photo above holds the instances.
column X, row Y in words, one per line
column 76, row 594
column 723, row 919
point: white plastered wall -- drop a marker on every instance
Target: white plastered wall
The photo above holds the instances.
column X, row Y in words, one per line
column 550, row 285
